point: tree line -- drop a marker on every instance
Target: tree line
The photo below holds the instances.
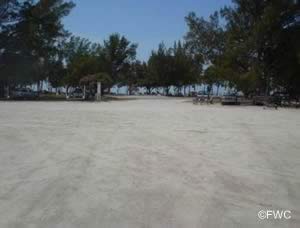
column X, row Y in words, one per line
column 250, row 46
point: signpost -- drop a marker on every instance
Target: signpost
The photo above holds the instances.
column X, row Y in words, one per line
column 84, row 92
column 99, row 95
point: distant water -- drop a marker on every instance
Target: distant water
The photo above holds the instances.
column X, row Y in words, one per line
column 124, row 89
column 198, row 88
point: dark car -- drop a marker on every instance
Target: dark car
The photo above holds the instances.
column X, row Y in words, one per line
column 281, row 99
column 231, row 100
column 24, row 93
column 260, row 100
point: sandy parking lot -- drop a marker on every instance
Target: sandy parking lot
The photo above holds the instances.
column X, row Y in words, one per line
column 146, row 163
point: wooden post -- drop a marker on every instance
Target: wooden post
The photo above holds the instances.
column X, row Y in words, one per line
column 99, row 95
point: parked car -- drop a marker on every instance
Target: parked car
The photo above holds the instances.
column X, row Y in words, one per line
column 281, row 99
column 231, row 100
column 192, row 94
column 77, row 93
column 260, row 100
column 24, row 93
column 201, row 98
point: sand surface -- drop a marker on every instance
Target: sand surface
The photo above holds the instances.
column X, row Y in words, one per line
column 146, row 163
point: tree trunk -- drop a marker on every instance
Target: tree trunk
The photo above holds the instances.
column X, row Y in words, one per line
column 2, row 90
column 130, row 90
column 7, row 92
column 67, row 92
column 38, row 87
column 208, row 89
column 167, row 90
column 267, row 87
column 178, row 90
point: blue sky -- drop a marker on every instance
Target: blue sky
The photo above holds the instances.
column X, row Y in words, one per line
column 146, row 22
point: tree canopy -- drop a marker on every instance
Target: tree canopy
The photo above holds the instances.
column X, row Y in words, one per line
column 256, row 50
column 251, row 46
column 30, row 33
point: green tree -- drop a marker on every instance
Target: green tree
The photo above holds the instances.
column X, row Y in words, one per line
column 145, row 78
column 56, row 72
column 205, row 40
column 161, row 67
column 186, row 68
column 82, row 58
column 32, row 39
column 12, row 62
column 114, row 58
column 256, row 40
column 130, row 76
column 117, row 55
